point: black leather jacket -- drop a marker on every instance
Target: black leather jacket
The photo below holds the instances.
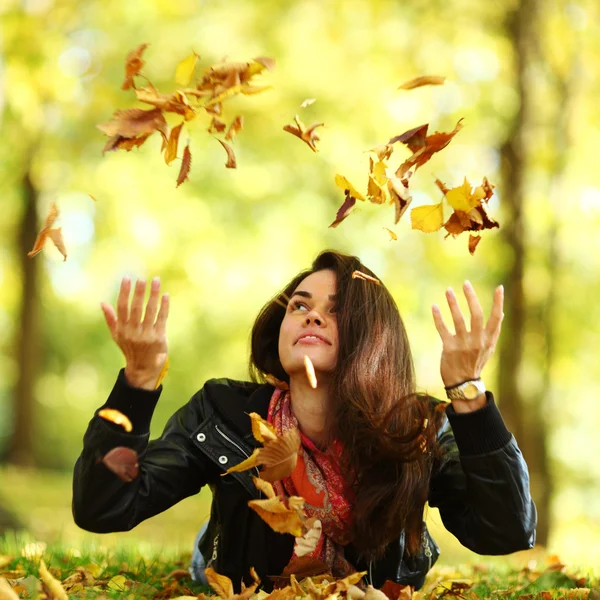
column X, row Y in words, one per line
column 480, row 485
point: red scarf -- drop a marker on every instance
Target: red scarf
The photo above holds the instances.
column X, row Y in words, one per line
column 318, row 480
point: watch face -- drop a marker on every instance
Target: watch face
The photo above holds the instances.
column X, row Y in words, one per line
column 471, row 391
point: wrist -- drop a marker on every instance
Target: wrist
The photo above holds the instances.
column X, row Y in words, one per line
column 467, row 406
column 141, row 379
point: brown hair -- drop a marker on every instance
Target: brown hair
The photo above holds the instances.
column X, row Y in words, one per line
column 387, row 431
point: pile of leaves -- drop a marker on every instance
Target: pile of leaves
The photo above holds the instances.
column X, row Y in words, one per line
column 70, row 575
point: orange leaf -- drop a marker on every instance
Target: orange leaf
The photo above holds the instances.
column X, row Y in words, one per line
column 262, row 430
column 344, row 210
column 44, row 231
column 171, row 150
column 414, row 138
column 118, row 142
column 186, row 163
column 216, row 125
column 306, row 566
column 310, row 372
column 251, row 462
column 279, row 456
column 236, row 125
column 473, row 243
column 231, row 162
column 133, row 65
column 264, row 486
column 361, row 275
column 280, row 518
column 420, row 81
column 116, row 417
column 135, row 122
column 176, row 102
column 57, row 239
column 220, row 583
column 396, row 591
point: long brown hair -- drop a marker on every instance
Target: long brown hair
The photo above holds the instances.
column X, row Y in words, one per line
column 387, row 431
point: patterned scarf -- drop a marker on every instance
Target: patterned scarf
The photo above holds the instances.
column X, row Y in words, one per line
column 317, row 478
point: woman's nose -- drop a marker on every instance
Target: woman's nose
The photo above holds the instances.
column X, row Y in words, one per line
column 314, row 317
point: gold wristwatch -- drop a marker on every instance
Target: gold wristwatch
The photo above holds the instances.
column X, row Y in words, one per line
column 467, row 390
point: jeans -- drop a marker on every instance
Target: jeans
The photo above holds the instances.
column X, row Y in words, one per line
column 198, row 565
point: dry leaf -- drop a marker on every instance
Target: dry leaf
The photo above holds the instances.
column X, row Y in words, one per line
column 348, row 188
column 231, row 162
column 308, row 135
column 278, row 516
column 220, row 583
column 399, row 194
column 48, row 232
column 118, row 142
column 397, row 591
column 123, row 462
column 462, row 198
column 135, row 122
column 216, row 125
column 177, row 102
column 420, row 81
column 271, row 379
column 344, row 210
column 308, row 102
column 55, row 586
column 393, row 236
column 185, row 69
column 262, row 430
column 428, row 218
column 133, row 65
column 186, row 163
column 473, row 243
column 6, row 591
column 113, row 415
column 308, row 542
column 414, row 138
column 374, row 594
column 251, row 462
column 236, row 126
column 310, row 372
column 172, row 144
column 361, row 275
column 279, row 457
column 264, row 486
column 305, row 566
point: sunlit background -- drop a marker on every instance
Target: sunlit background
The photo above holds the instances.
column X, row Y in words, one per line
column 523, row 74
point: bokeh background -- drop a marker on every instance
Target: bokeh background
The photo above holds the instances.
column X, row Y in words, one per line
column 524, row 75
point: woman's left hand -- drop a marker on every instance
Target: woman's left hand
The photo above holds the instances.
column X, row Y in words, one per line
column 465, row 353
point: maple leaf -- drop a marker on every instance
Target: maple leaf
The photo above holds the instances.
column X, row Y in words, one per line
column 421, row 81
column 186, row 163
column 428, row 218
column 123, row 462
column 220, row 583
column 55, row 234
column 306, row 134
column 185, row 69
column 172, row 144
column 135, row 122
column 236, row 125
column 397, row 591
column 473, row 243
column 278, row 516
column 117, row 417
column 133, row 65
column 310, row 372
column 231, row 162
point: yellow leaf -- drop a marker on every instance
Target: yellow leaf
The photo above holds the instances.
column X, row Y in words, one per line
column 251, row 462
column 117, row 583
column 460, row 198
column 344, row 184
column 6, row 591
column 428, row 218
column 55, row 586
column 393, row 235
column 185, row 69
column 280, row 518
column 172, row 144
column 262, row 430
column 264, row 486
column 117, row 417
column 162, row 374
column 220, row 583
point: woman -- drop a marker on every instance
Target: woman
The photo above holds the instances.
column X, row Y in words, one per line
column 373, row 451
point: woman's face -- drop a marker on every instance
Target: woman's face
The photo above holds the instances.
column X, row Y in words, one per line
column 310, row 325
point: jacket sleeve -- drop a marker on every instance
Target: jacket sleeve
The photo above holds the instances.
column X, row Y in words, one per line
column 170, row 467
column 481, row 483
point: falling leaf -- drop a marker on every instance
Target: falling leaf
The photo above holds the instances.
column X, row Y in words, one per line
column 262, row 430
column 118, row 142
column 383, row 152
column 231, row 162
column 393, row 236
column 133, row 65
column 57, row 239
column 185, row 69
column 428, row 218
column 220, row 583
column 177, row 102
column 46, row 232
column 113, row 415
column 308, row 135
column 123, row 462
column 462, row 198
column 345, row 185
column 420, row 81
column 308, row 102
column 55, row 587
column 399, row 194
column 216, row 125
column 310, row 372
column 172, row 144
column 236, row 125
column 375, row 191
column 361, row 275
column 414, row 138
column 308, row 542
column 473, row 243
column 92, row 197
column 135, row 122
column 278, row 516
column 264, row 486
column 186, row 163
column 272, row 380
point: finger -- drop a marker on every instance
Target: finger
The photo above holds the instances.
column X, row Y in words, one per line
column 163, row 313
column 110, row 317
column 439, row 323
column 123, row 300
column 474, row 307
column 494, row 322
column 137, row 304
column 152, row 305
column 459, row 323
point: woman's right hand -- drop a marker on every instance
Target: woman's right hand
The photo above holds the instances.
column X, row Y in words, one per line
column 143, row 341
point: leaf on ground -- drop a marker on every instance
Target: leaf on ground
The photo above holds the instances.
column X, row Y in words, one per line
column 306, row 566
column 186, row 163
column 116, row 417
column 397, row 591
column 231, row 162
column 421, row 81
column 133, row 65
column 55, row 586
column 185, row 69
column 6, row 591
column 123, row 462
column 118, row 583
column 220, row 583
column 172, row 144
column 428, row 218
column 306, row 134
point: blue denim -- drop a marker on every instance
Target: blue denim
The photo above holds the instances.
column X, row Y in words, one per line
column 198, row 565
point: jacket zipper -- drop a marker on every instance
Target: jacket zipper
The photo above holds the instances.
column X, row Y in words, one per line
column 236, row 445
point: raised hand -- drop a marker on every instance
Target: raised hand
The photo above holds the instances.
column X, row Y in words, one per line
column 465, row 352
column 141, row 335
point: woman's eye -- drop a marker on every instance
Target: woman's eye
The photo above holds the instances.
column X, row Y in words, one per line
column 298, row 305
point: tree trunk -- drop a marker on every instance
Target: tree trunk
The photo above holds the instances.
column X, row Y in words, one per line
column 21, row 446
